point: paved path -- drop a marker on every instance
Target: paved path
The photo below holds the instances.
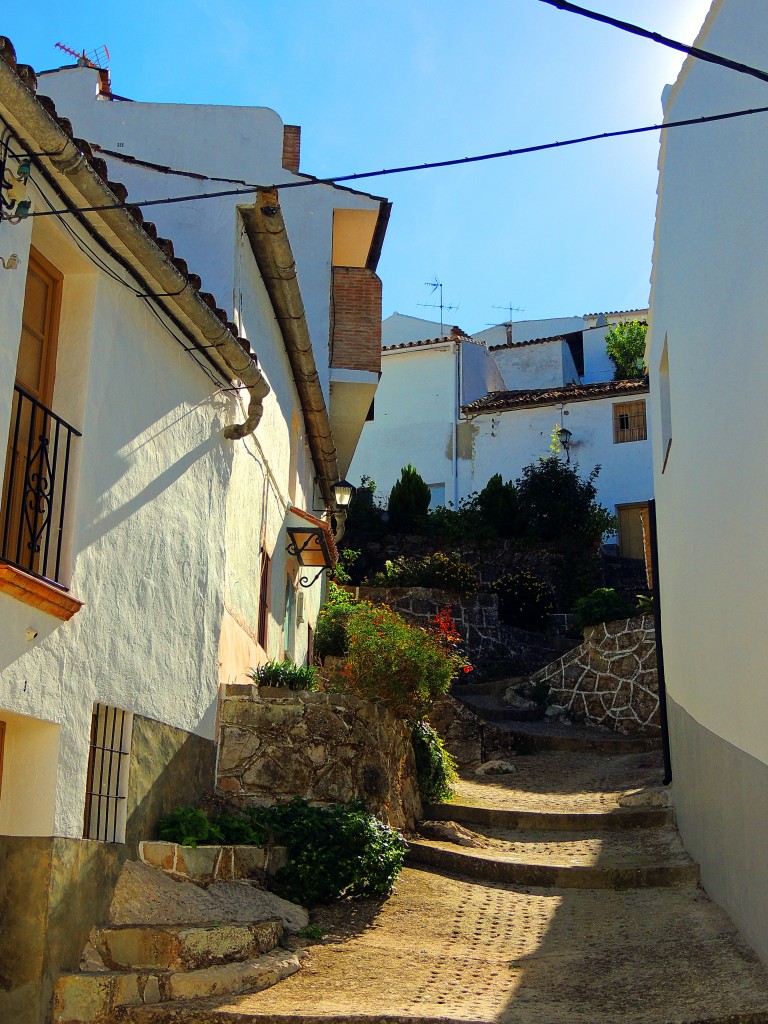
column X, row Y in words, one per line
column 447, row 948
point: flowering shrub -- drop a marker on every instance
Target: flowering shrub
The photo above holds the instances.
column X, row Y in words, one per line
column 524, row 600
column 395, row 663
column 444, row 630
column 330, row 637
column 447, row 572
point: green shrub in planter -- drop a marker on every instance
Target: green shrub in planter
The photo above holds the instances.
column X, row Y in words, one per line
column 524, row 600
column 330, row 636
column 435, row 766
column 603, row 605
column 287, row 674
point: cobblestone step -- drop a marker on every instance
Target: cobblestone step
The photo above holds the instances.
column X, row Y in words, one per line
column 185, row 947
column 616, row 819
column 532, row 737
column 493, row 709
column 601, row 860
column 104, row 996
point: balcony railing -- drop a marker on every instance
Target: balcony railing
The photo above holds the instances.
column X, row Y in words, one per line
column 34, row 502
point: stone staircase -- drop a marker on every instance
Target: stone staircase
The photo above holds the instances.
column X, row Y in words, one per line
column 172, row 940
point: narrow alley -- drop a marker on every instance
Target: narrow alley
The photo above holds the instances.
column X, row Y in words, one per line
column 576, row 903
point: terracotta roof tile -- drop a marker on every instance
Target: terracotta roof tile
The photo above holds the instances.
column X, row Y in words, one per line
column 499, row 400
column 530, row 341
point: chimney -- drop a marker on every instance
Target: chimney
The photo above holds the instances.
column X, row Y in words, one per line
column 291, row 147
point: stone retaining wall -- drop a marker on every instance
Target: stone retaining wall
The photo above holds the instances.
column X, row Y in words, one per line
column 487, row 642
column 611, row 678
column 276, row 744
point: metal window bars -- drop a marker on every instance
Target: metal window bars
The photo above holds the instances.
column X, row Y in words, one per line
column 629, row 422
column 35, row 487
column 107, row 785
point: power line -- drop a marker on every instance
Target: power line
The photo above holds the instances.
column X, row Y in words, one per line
column 521, row 151
column 674, row 44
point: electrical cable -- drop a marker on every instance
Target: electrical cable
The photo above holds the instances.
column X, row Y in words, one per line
column 520, row 151
column 656, row 37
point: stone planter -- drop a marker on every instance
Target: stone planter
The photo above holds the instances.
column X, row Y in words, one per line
column 206, row 864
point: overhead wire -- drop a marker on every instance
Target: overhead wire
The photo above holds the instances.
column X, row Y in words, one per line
column 657, row 37
column 458, row 161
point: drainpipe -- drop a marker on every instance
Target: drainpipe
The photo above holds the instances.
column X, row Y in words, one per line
column 68, row 160
column 457, row 413
column 663, row 718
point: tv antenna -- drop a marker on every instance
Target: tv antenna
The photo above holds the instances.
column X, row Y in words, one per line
column 435, row 285
column 98, row 58
column 510, row 309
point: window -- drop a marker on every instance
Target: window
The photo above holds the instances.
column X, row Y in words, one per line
column 39, row 443
column 436, row 495
column 107, row 786
column 264, row 583
column 666, row 405
column 629, row 423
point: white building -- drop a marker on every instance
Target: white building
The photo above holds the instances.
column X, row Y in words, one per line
column 161, row 453
column 461, row 409
column 708, row 362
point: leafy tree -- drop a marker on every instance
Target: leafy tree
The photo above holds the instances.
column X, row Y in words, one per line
column 625, row 345
column 557, row 506
column 408, row 500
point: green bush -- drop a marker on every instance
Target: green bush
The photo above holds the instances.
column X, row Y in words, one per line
column 499, row 507
column 603, row 605
column 446, row 572
column 334, row 851
column 435, row 767
column 625, row 345
column 287, row 674
column 392, row 662
column 343, row 568
column 558, row 507
column 524, row 600
column 408, row 501
column 330, row 636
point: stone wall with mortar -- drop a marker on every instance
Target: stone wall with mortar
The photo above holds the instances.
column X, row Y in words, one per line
column 488, row 643
column 276, row 744
column 611, row 678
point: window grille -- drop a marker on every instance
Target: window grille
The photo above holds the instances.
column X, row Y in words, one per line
column 629, row 422
column 107, row 786
column 261, row 635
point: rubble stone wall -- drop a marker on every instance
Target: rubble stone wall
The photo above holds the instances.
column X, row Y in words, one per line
column 276, row 744
column 611, row 678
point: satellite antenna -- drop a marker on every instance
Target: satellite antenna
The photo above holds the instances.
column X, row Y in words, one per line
column 435, row 285
column 98, row 58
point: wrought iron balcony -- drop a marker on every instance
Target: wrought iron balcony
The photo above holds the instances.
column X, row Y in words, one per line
column 32, row 515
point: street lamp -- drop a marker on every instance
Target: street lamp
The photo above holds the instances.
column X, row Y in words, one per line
column 343, row 492
column 564, row 436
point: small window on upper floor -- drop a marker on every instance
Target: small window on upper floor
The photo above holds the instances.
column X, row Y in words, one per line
column 629, row 422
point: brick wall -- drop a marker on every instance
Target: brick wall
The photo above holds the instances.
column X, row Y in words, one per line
column 291, row 147
column 356, row 319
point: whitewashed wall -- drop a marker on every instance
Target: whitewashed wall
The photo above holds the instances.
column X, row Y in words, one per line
column 166, row 522
column 415, row 413
column 399, row 329
column 228, row 141
column 480, row 373
column 505, row 442
column 546, row 365
column 708, row 361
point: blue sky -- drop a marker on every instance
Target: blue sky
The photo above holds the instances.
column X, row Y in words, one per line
column 376, row 83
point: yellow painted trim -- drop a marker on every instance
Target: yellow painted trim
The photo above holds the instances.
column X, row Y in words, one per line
column 37, row 593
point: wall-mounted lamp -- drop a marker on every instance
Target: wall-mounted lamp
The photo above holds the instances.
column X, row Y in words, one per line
column 343, row 492
column 564, row 436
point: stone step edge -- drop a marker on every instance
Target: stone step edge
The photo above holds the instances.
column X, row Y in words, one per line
column 95, row 996
column 185, row 947
column 553, row 821
column 215, row 863
column 522, row 740
column 578, row 876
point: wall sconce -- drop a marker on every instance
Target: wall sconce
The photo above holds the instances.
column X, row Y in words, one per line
column 343, row 492
column 564, row 436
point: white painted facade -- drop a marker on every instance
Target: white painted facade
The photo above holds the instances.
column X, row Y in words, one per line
column 418, row 420
column 708, row 362
column 166, row 518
